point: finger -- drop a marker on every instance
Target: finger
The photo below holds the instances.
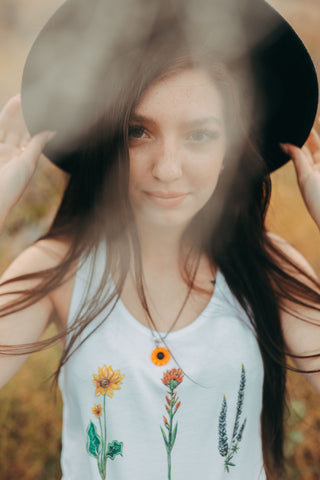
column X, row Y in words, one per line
column 36, row 145
column 313, row 144
column 15, row 139
column 12, row 120
column 12, row 106
column 308, row 154
column 301, row 163
column 12, row 138
column 7, row 152
column 25, row 140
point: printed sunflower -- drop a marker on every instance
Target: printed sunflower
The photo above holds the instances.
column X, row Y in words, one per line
column 97, row 410
column 107, row 381
column 160, row 356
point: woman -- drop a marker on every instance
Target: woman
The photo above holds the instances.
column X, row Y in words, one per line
column 175, row 306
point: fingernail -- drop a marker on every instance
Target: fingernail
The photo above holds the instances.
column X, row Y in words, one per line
column 284, row 147
column 50, row 135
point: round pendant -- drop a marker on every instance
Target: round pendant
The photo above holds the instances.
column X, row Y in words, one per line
column 160, row 356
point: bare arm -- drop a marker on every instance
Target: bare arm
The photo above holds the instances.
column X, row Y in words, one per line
column 19, row 156
column 301, row 337
column 28, row 325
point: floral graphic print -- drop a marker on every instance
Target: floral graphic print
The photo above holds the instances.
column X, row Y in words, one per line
column 106, row 382
column 160, row 356
column 171, row 379
column 226, row 449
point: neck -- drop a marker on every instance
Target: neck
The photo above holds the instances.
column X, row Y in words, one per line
column 162, row 256
column 160, row 247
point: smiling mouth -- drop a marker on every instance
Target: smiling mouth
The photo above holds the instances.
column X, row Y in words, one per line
column 166, row 199
column 166, row 195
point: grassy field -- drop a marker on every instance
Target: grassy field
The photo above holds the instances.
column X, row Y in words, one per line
column 30, row 414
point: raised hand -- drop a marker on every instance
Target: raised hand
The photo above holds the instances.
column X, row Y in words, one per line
column 19, row 155
column 307, row 166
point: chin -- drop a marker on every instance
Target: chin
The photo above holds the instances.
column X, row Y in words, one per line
column 166, row 219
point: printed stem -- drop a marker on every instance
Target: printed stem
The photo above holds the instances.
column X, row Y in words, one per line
column 171, row 378
column 100, row 455
column 104, row 441
column 170, row 446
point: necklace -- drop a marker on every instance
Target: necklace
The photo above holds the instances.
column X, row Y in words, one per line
column 160, row 355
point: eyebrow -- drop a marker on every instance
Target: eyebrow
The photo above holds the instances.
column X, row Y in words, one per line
column 194, row 123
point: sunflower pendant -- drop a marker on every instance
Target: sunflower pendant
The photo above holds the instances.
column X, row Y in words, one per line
column 160, row 356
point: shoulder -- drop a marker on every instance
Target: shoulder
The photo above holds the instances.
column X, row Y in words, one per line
column 301, row 324
column 293, row 255
column 53, row 252
column 41, row 255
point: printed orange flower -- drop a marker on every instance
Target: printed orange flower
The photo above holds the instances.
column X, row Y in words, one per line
column 97, row 410
column 160, row 356
column 107, row 381
column 172, row 378
column 165, row 420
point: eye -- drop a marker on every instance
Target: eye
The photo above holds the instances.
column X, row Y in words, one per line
column 136, row 131
column 202, row 136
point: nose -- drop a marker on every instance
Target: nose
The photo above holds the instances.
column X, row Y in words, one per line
column 167, row 165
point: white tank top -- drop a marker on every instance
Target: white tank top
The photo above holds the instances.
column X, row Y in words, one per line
column 126, row 418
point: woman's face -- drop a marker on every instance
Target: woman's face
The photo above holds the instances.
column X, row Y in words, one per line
column 177, row 142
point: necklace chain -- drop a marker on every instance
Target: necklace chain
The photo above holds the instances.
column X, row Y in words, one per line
column 161, row 355
column 159, row 339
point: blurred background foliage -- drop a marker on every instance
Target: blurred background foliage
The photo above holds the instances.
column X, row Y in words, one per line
column 30, row 411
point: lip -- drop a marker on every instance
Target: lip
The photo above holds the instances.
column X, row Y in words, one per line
column 161, row 194
column 166, row 199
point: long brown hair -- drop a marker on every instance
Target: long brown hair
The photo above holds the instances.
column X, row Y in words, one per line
column 95, row 210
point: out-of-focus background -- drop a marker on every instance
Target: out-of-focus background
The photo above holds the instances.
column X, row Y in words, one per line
column 30, row 413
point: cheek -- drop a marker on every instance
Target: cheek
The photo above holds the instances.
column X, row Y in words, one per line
column 207, row 172
column 137, row 169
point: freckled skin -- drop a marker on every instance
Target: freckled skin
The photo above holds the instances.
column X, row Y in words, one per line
column 170, row 152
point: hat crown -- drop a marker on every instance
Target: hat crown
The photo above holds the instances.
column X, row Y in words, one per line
column 89, row 52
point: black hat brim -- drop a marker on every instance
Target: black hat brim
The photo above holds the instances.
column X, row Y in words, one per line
column 61, row 85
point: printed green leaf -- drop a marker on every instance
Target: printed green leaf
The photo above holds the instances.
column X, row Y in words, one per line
column 93, row 441
column 235, row 448
column 164, row 437
column 114, row 449
column 174, row 434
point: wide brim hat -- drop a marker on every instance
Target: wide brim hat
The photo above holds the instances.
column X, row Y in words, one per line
column 90, row 52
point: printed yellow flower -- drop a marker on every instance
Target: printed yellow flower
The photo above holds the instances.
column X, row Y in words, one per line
column 97, row 410
column 107, row 381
